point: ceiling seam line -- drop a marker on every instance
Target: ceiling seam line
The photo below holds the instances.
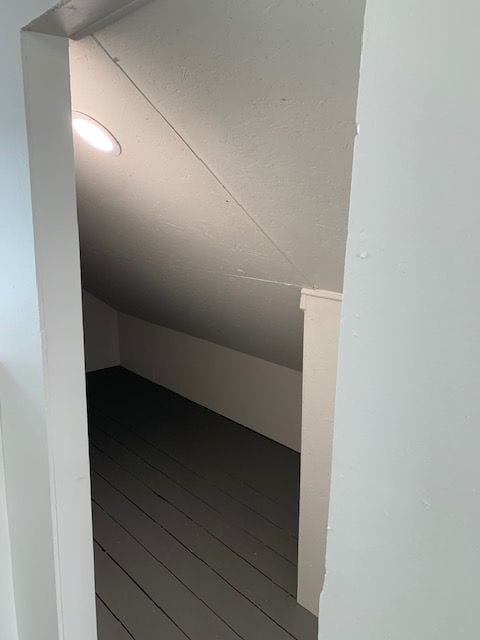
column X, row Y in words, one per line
column 200, row 159
column 223, row 274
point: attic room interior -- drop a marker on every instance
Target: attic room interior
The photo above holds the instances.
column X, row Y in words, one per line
column 239, row 352
column 217, row 194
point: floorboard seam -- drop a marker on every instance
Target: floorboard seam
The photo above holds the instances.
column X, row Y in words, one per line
column 155, row 446
column 201, row 526
column 287, row 532
column 114, row 615
column 246, row 531
column 141, row 588
column 164, row 566
column 202, row 561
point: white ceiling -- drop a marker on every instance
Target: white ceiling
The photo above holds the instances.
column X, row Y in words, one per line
column 237, row 121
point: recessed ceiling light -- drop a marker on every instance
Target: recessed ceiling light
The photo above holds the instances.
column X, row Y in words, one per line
column 95, row 134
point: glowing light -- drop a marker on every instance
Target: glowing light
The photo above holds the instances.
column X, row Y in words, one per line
column 95, row 134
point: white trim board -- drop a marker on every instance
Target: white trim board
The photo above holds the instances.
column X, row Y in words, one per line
column 42, row 381
column 318, row 293
column 322, row 311
column 68, row 19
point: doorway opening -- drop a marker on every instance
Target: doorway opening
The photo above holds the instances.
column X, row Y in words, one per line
column 191, row 513
column 193, row 331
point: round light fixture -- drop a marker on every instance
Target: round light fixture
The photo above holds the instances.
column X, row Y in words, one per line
column 95, row 134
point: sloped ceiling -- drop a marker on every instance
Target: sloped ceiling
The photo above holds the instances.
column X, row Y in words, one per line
column 236, row 121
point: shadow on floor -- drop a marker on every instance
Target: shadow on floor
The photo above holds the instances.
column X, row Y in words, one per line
column 195, row 520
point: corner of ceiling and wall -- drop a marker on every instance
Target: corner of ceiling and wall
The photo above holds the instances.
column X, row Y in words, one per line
column 237, row 123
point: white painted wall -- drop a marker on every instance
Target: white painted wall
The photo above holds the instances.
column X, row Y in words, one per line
column 258, row 394
column 21, row 367
column 100, row 331
column 320, row 348
column 41, row 371
column 8, row 621
column 403, row 558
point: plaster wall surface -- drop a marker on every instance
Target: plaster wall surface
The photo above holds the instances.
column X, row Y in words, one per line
column 31, row 412
column 21, row 371
column 263, row 396
column 403, row 555
column 7, row 595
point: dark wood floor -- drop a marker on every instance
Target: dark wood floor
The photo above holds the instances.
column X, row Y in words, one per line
column 195, row 520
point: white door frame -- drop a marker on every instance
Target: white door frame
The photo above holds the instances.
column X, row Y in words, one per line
column 322, row 310
column 45, row 514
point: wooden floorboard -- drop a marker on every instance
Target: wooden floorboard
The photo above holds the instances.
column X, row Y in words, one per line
column 123, row 395
column 233, row 570
column 163, row 587
column 204, row 468
column 188, row 546
column 139, row 614
column 240, row 613
column 231, row 509
column 108, row 626
column 281, row 571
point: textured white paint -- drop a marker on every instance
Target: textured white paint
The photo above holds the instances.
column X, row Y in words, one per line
column 8, row 620
column 22, row 395
column 403, row 556
column 76, row 18
column 233, row 178
column 320, row 347
column 158, row 239
column 41, row 374
column 260, row 395
column 265, row 93
column 21, row 369
column 100, row 330
column 57, row 259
